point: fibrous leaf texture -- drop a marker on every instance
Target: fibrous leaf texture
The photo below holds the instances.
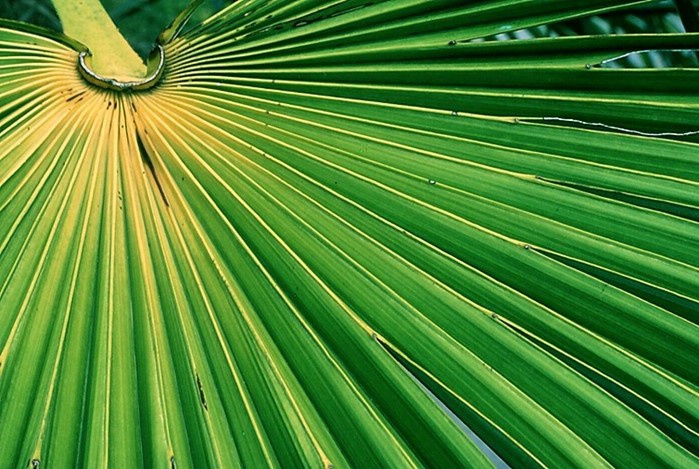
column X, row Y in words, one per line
column 325, row 208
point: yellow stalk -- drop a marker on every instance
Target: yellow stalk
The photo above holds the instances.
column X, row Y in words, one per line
column 88, row 22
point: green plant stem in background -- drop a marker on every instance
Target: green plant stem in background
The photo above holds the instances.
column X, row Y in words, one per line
column 688, row 14
column 88, row 22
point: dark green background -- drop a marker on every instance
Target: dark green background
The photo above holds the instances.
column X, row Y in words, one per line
column 139, row 20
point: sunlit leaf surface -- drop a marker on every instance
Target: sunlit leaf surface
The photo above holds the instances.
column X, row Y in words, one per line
column 251, row 263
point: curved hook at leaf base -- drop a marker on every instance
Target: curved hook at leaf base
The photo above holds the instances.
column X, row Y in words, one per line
column 156, row 60
column 156, row 65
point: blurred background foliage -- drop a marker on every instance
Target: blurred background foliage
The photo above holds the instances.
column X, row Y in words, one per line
column 139, row 20
column 659, row 17
column 142, row 20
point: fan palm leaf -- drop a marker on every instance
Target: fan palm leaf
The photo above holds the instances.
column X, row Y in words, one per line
column 320, row 211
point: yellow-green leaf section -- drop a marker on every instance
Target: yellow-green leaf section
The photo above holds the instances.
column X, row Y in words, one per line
column 111, row 55
column 323, row 209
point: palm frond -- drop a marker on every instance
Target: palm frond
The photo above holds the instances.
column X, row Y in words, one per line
column 321, row 204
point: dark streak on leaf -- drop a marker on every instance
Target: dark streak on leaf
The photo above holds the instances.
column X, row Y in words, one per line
column 75, row 96
column 201, row 394
column 149, row 163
